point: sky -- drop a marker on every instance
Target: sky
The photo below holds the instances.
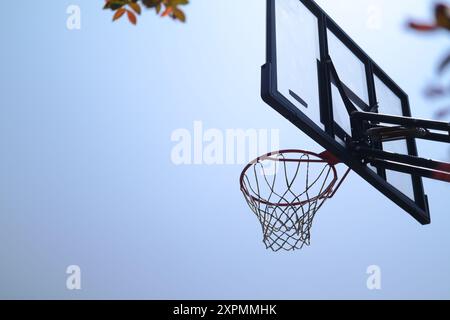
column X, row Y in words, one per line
column 87, row 178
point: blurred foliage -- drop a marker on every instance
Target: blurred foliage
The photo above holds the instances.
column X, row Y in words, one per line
column 441, row 23
column 133, row 8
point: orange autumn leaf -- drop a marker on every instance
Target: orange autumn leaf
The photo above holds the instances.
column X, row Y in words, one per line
column 131, row 17
column 134, row 8
column 119, row 13
column 167, row 12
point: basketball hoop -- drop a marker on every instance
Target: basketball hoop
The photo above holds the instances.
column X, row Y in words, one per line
column 285, row 189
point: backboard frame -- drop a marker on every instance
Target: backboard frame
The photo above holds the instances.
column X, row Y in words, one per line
column 326, row 137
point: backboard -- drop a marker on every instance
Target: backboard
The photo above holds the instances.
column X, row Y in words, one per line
column 299, row 82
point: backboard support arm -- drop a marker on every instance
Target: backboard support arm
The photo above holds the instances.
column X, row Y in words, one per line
column 366, row 127
column 395, row 133
column 423, row 172
column 347, row 102
column 367, row 133
column 403, row 121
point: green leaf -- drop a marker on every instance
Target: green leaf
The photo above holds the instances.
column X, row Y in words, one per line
column 136, row 7
column 114, row 4
column 178, row 14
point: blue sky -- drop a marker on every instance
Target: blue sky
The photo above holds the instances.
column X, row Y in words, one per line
column 86, row 177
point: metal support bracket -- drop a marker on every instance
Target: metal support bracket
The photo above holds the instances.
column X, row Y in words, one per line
column 399, row 128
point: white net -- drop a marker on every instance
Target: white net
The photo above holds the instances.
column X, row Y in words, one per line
column 285, row 189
